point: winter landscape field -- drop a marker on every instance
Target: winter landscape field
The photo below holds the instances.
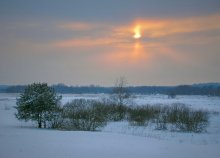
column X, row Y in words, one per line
column 115, row 140
column 109, row 79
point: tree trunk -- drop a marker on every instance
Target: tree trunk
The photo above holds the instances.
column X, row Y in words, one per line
column 39, row 121
column 39, row 124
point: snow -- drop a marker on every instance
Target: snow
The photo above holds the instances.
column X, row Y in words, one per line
column 196, row 102
column 69, row 97
column 118, row 140
column 211, row 104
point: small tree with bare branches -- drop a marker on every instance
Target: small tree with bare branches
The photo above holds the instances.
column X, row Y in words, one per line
column 120, row 95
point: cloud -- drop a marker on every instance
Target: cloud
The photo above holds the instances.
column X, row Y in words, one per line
column 87, row 42
column 156, row 28
column 77, row 26
column 113, row 45
column 154, row 32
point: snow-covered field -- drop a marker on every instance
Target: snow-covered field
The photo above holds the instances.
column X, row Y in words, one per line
column 116, row 140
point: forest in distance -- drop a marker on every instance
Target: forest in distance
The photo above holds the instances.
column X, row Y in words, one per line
column 210, row 89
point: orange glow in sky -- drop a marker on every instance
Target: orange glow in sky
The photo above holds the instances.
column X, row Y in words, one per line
column 137, row 32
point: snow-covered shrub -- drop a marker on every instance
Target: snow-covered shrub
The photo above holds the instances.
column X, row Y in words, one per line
column 113, row 111
column 116, row 112
column 142, row 115
column 161, row 121
column 82, row 114
column 187, row 119
column 181, row 117
column 171, row 95
column 56, row 121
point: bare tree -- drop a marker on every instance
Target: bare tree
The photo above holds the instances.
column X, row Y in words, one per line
column 120, row 95
column 120, row 91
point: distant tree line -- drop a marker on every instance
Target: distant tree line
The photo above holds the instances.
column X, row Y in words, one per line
column 199, row 89
column 195, row 90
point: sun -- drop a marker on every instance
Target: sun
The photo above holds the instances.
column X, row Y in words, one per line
column 137, row 32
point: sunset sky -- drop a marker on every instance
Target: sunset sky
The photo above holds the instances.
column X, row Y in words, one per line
column 83, row 42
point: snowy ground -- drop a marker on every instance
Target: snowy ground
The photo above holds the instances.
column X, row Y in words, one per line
column 116, row 140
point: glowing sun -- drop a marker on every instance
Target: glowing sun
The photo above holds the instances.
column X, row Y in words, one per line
column 137, row 32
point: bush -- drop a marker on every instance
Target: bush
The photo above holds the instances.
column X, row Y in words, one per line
column 171, row 95
column 181, row 117
column 161, row 121
column 113, row 111
column 187, row 119
column 81, row 114
column 56, row 121
column 116, row 112
column 141, row 115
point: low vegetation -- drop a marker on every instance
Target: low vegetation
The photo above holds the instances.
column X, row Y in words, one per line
column 187, row 119
column 81, row 114
column 91, row 115
column 141, row 115
column 41, row 104
column 177, row 116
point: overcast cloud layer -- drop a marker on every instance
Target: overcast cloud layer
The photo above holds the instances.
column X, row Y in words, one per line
column 91, row 42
